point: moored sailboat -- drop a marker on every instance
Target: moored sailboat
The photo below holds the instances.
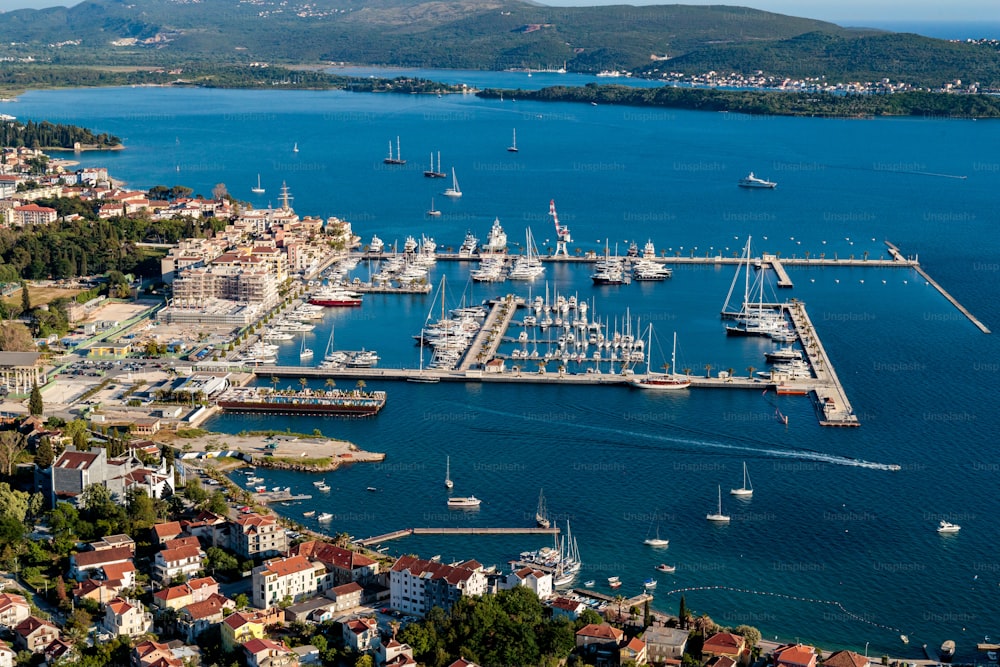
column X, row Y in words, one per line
column 718, row 516
column 669, row 380
column 454, row 190
column 542, row 513
column 747, row 489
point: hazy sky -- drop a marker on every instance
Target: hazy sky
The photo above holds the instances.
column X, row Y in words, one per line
column 840, row 11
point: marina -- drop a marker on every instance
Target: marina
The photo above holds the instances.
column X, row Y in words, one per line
column 397, row 534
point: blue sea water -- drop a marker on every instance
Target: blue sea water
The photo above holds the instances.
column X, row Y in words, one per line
column 820, row 528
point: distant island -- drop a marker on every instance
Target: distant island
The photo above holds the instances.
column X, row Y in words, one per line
column 48, row 136
column 657, row 41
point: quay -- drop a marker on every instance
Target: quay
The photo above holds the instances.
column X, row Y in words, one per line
column 933, row 283
column 397, row 534
column 407, row 288
column 779, row 270
column 270, row 497
column 628, row 603
column 490, row 335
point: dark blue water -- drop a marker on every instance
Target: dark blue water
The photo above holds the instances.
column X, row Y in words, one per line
column 820, row 526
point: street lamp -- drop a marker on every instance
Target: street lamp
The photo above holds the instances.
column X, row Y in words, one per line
column 866, row 650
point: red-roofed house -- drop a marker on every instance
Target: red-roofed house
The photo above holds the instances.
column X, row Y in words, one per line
column 195, row 618
column 295, row 577
column 538, row 581
column 565, row 607
column 174, row 597
column 634, row 650
column 795, row 655
column 726, row 644
column 266, row 653
column 33, row 634
column 665, row 644
column 163, row 532
column 416, row 586
column 394, row 654
column 361, row 634
column 14, row 608
column 343, row 565
column 179, row 562
column 599, row 643
column 846, row 659
column 347, row 596
column 258, row 536
column 720, row 661
column 186, row 541
column 95, row 589
column 243, row 626
column 124, row 616
column 462, row 662
column 153, row 654
column 85, row 563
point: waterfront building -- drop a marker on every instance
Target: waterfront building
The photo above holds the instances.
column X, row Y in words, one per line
column 846, row 659
column 794, row 655
column 294, row 577
column 416, row 586
column 726, row 644
column 258, row 536
column 539, row 582
column 599, row 643
column 343, row 566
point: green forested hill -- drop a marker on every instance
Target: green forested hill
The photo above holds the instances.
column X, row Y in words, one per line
column 481, row 34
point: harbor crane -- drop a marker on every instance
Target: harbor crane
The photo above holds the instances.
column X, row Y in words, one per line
column 562, row 231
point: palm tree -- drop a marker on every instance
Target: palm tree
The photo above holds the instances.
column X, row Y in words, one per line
column 274, row 381
column 704, row 624
column 619, row 601
column 750, row 370
column 303, row 383
column 330, row 384
column 360, row 385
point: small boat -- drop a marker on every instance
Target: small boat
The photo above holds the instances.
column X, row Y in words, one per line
column 904, row 639
column 447, row 473
column 747, row 489
column 947, row 650
column 752, row 181
column 663, row 567
column 324, row 488
column 325, row 516
column 309, row 513
column 649, row 583
column 614, row 582
column 433, row 212
column 454, row 190
column 295, row 148
column 321, row 482
column 305, row 352
column 718, row 516
column 464, row 502
column 257, row 190
column 589, row 583
column 513, row 147
column 946, row 527
column 992, row 655
column 655, row 541
column 372, row 489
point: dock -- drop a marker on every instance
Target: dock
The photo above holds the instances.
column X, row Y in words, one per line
column 779, row 270
column 628, row 603
column 490, row 335
column 831, row 399
column 397, row 534
column 933, row 283
column 271, row 497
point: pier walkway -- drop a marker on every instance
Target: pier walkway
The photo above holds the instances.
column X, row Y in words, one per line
column 923, row 274
column 397, row 534
column 484, row 345
column 779, row 270
column 832, row 403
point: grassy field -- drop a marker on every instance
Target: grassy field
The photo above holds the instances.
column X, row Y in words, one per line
column 40, row 295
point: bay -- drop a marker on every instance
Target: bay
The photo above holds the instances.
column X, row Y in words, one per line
column 820, row 527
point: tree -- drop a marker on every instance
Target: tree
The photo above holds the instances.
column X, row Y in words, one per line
column 13, row 503
column 35, row 405
column 25, row 299
column 12, row 443
column 682, row 613
column 748, row 632
column 219, row 192
column 44, row 454
column 217, row 504
column 364, row 661
column 194, row 491
column 15, row 337
column 242, row 601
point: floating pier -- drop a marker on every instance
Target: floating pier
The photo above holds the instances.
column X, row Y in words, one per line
column 397, row 534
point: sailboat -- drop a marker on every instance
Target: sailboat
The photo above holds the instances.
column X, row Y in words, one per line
column 542, row 514
column 394, row 160
column 295, row 148
column 257, row 190
column 305, row 352
column 425, row 379
column 447, row 473
column 433, row 212
column 432, row 173
column 513, row 147
column 747, row 489
column 655, row 541
column 718, row 517
column 454, row 190
column 661, row 380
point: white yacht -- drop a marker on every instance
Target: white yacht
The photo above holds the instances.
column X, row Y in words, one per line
column 946, row 527
column 377, row 245
column 752, row 181
column 496, row 242
column 718, row 516
column 464, row 502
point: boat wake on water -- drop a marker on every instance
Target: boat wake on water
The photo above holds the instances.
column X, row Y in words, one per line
column 760, row 448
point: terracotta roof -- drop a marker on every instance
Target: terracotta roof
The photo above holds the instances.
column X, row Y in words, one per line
column 635, row 644
column 162, row 530
column 724, row 642
column 721, row 661
column 238, row 619
column 846, row 659
column 210, row 607
column 202, row 582
column 602, row 631
column 189, row 541
column 258, row 645
column 284, row 567
column 117, row 571
column 432, row 569
column 12, row 599
column 178, row 554
column 30, row 624
column 566, row 604
column 798, row 654
column 120, row 606
column 250, row 521
column 331, row 555
column 347, row 589
column 96, row 558
column 173, row 593
column 462, row 662
column 359, row 625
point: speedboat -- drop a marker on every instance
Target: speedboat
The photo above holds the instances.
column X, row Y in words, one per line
column 589, row 583
column 663, row 567
column 946, row 527
column 614, row 582
column 325, row 516
column 309, row 513
column 992, row 655
column 649, row 583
